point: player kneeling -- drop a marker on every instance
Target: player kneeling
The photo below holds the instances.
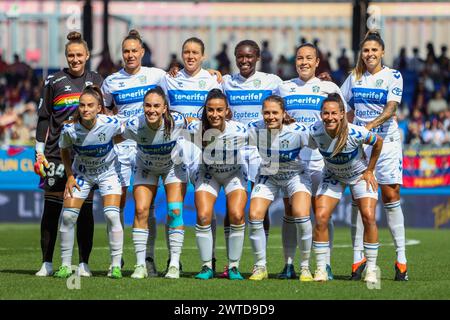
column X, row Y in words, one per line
column 341, row 145
column 90, row 136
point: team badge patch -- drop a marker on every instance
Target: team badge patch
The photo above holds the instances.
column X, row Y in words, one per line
column 316, row 89
column 285, row 144
column 102, row 137
column 378, row 83
column 257, row 83
column 142, row 79
column 202, row 84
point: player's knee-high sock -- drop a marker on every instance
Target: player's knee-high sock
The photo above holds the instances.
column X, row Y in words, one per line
column 320, row 250
column 226, row 230
column 304, row 235
column 152, row 230
column 49, row 226
column 258, row 241
column 115, row 234
column 357, row 234
column 267, row 227
column 213, row 231
column 396, row 223
column 140, row 242
column 236, row 243
column 204, row 239
column 289, row 239
column 67, row 232
column 176, row 232
column 85, row 231
column 330, row 239
column 371, row 253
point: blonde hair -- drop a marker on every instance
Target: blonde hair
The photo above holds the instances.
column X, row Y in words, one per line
column 371, row 35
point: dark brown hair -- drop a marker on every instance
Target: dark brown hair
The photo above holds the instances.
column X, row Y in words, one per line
column 133, row 35
column 214, row 94
column 197, row 41
column 169, row 123
column 94, row 91
column 287, row 119
column 249, row 43
column 309, row 45
column 371, row 35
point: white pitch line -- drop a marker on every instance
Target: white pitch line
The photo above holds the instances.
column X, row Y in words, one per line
column 410, row 242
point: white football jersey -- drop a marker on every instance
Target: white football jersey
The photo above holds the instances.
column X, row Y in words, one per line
column 303, row 102
column 187, row 94
column 126, row 91
column 246, row 95
column 369, row 95
column 94, row 149
column 279, row 149
column 155, row 150
column 222, row 151
column 347, row 165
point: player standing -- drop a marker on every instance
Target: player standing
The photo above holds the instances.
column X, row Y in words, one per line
column 245, row 92
column 374, row 92
column 58, row 103
column 124, row 92
column 303, row 97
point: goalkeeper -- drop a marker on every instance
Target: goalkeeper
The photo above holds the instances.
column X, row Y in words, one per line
column 58, row 103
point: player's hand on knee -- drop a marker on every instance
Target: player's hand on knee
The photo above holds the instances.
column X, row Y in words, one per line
column 70, row 184
column 370, row 179
column 40, row 165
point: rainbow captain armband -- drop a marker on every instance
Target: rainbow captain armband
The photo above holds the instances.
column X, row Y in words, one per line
column 175, row 213
column 371, row 139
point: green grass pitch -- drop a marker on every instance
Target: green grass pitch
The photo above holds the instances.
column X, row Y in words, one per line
column 428, row 256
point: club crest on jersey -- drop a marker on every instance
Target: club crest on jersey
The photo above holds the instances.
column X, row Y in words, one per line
column 316, row 89
column 88, row 83
column 378, row 83
column 292, row 89
column 102, row 137
column 121, row 84
column 257, row 83
column 285, row 144
column 142, row 79
column 359, row 82
column 180, row 84
column 67, row 88
column 202, row 84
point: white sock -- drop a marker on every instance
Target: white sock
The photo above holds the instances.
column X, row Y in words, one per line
column 320, row 250
column 226, row 231
column 258, row 241
column 371, row 252
column 237, row 234
column 115, row 234
column 122, row 217
column 289, row 239
column 67, row 234
column 213, row 231
column 152, row 230
column 203, row 236
column 176, row 239
column 330, row 240
column 357, row 234
column 140, row 241
column 396, row 223
column 304, row 234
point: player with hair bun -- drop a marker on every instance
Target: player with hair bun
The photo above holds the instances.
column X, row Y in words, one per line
column 58, row 103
